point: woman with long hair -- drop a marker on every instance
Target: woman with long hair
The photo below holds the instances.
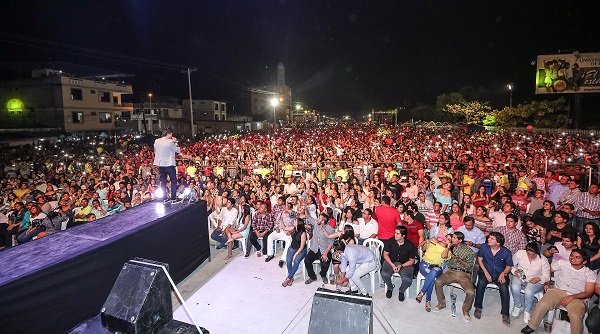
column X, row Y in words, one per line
column 411, row 188
column 545, row 215
column 480, row 198
column 432, row 265
column 589, row 242
column 456, row 216
column 530, row 272
column 442, row 229
column 482, row 221
column 533, row 232
column 467, row 207
column 242, row 230
column 296, row 252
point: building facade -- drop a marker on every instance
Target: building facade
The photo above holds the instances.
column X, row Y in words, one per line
column 53, row 99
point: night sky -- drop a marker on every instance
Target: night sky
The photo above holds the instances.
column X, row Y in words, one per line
column 341, row 57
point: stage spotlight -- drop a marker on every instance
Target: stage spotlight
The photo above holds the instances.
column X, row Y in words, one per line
column 159, row 193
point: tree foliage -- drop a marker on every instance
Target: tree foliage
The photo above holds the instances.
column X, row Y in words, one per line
column 472, row 111
column 541, row 113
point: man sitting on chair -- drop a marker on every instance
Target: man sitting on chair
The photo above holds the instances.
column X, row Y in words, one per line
column 399, row 256
column 356, row 261
column 574, row 283
column 460, row 269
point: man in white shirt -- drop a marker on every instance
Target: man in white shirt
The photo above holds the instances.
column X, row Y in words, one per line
column 367, row 226
column 474, row 237
column 574, row 283
column 499, row 217
column 227, row 217
column 165, row 149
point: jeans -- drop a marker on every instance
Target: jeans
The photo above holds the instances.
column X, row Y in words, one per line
column 430, row 273
column 216, row 236
column 406, row 274
column 361, row 270
column 308, row 264
column 482, row 283
column 171, row 172
column 26, row 237
column 254, row 241
column 530, row 290
column 292, row 266
column 593, row 320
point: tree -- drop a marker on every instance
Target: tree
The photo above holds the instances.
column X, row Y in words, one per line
column 542, row 113
column 472, row 111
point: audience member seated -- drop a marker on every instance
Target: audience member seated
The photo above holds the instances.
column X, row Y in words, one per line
column 297, row 250
column 398, row 257
column 432, row 265
column 531, row 271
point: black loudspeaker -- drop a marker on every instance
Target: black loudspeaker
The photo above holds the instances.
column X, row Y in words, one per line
column 336, row 312
column 140, row 300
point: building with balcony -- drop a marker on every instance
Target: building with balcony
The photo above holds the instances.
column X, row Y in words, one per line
column 55, row 98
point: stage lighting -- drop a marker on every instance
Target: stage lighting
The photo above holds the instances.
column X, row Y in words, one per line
column 159, row 193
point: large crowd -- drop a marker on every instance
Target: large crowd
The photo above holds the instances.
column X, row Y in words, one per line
column 512, row 209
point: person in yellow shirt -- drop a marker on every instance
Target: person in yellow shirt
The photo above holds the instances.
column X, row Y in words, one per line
column 83, row 211
column 468, row 180
column 432, row 266
column 342, row 172
column 191, row 170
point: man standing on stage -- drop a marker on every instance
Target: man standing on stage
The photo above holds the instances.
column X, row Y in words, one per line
column 165, row 149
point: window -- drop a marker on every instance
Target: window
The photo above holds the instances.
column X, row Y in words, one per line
column 115, row 100
column 222, row 106
column 216, row 117
column 105, row 117
column 216, row 106
column 92, row 91
column 77, row 117
column 154, row 121
column 76, row 94
column 104, row 96
column 126, row 114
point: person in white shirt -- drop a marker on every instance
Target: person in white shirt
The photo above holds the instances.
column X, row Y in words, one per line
column 531, row 271
column 165, row 149
column 367, row 226
column 574, row 283
column 356, row 261
column 227, row 218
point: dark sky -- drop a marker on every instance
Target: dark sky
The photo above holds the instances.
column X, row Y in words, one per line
column 341, row 57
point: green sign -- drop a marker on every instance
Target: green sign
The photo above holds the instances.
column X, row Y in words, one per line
column 15, row 106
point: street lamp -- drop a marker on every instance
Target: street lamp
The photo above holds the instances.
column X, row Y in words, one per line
column 510, row 89
column 298, row 107
column 274, row 103
column 145, row 131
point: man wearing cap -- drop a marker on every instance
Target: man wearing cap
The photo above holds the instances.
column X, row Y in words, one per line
column 165, row 149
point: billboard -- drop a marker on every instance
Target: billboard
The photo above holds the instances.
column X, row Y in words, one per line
column 568, row 73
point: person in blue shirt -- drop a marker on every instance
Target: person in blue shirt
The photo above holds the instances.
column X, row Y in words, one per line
column 356, row 261
column 495, row 262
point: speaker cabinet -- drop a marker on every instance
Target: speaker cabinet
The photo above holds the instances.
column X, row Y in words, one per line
column 335, row 312
column 140, row 300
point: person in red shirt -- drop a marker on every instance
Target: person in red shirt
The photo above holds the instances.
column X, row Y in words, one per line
column 416, row 233
column 388, row 218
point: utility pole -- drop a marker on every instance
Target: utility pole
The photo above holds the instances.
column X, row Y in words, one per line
column 189, row 73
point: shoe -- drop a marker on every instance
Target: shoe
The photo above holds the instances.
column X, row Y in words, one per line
column 258, row 254
column 281, row 262
column 427, row 306
column 228, row 257
column 527, row 330
column 438, row 308
column 506, row 320
column 236, row 245
column 401, row 296
column 388, row 294
column 177, row 201
column 247, row 255
column 419, row 297
column 516, row 311
column 221, row 247
column 310, row 280
column 269, row 258
column 526, row 317
column 466, row 316
column 168, row 201
column 351, row 292
column 286, row 282
column 325, row 280
column 477, row 313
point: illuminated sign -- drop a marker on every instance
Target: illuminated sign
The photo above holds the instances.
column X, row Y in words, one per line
column 568, row 73
column 15, row 106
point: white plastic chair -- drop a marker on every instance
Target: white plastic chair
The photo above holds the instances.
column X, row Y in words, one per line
column 376, row 246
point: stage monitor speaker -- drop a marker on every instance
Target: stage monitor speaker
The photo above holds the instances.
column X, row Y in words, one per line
column 336, row 312
column 140, row 300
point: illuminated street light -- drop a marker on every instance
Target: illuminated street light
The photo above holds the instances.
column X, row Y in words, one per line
column 510, row 88
column 274, row 103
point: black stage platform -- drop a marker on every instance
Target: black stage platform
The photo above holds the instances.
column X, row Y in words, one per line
column 53, row 284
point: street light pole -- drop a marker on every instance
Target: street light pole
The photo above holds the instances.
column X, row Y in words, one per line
column 189, row 73
column 274, row 103
column 510, row 88
column 145, row 130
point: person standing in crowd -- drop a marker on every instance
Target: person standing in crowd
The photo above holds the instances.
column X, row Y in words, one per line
column 388, row 218
column 319, row 248
column 588, row 205
column 165, row 149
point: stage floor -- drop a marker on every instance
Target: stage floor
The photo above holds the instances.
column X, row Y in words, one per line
column 246, row 296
